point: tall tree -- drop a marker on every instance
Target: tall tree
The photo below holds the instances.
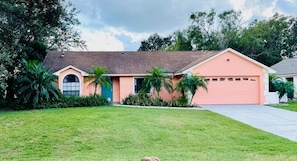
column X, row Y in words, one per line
column 156, row 79
column 98, row 77
column 266, row 40
column 203, row 30
column 291, row 51
column 209, row 31
column 28, row 28
column 230, row 28
column 155, row 43
column 181, row 42
column 4, row 59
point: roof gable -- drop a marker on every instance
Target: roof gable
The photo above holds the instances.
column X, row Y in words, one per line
column 234, row 52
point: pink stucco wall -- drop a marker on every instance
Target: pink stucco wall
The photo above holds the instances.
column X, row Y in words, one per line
column 86, row 88
column 170, row 96
column 116, row 89
column 126, row 87
column 229, row 65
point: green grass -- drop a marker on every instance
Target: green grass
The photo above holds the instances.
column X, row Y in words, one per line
column 292, row 106
column 118, row 133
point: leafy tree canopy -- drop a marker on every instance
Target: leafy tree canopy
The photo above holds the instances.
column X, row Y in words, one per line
column 267, row 41
column 155, row 43
column 29, row 28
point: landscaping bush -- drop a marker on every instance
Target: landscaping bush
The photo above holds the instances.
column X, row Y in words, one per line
column 65, row 101
column 75, row 101
column 145, row 100
column 137, row 99
column 179, row 102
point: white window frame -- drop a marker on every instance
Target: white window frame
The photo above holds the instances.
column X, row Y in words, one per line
column 79, row 79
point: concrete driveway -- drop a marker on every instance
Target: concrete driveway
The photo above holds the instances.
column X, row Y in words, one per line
column 276, row 121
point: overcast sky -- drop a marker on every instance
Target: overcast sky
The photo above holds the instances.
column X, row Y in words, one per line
column 120, row 25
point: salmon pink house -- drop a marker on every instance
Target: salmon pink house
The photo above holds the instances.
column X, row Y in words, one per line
column 232, row 77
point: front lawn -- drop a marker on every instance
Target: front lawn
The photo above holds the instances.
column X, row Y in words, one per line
column 118, row 133
column 292, row 106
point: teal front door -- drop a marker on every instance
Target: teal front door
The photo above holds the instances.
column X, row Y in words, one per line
column 107, row 92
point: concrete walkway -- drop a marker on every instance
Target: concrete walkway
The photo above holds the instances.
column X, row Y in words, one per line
column 276, row 121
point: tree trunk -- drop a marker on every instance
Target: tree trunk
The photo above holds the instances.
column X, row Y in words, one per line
column 95, row 92
column 9, row 89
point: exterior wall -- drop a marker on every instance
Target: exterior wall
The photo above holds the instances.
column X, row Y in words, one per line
column 295, row 86
column 230, row 65
column 85, row 88
column 269, row 97
column 126, row 87
column 89, row 89
column 170, row 96
column 116, row 90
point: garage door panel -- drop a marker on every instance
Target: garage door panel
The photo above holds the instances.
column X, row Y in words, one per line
column 229, row 90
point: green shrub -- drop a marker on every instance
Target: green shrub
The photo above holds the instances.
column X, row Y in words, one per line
column 145, row 100
column 76, row 101
column 179, row 102
column 65, row 101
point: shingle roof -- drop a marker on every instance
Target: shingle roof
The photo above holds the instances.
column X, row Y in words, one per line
column 286, row 67
column 126, row 62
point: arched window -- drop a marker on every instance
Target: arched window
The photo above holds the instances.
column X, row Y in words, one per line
column 71, row 85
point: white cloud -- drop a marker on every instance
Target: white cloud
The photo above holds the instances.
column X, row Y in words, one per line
column 108, row 39
column 101, row 41
column 291, row 1
column 135, row 37
column 270, row 11
column 237, row 4
column 246, row 11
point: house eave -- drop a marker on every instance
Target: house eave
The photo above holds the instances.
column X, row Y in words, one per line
column 83, row 73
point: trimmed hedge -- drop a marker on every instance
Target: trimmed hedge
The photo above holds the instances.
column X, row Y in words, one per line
column 76, row 101
column 64, row 102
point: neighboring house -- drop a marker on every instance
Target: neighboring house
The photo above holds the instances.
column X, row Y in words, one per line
column 287, row 69
column 233, row 78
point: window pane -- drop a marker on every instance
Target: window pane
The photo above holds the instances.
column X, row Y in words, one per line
column 138, row 84
column 71, row 85
column 70, row 78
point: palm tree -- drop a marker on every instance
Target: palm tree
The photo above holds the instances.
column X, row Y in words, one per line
column 276, row 83
column 191, row 83
column 36, row 85
column 156, row 80
column 273, row 80
column 98, row 78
